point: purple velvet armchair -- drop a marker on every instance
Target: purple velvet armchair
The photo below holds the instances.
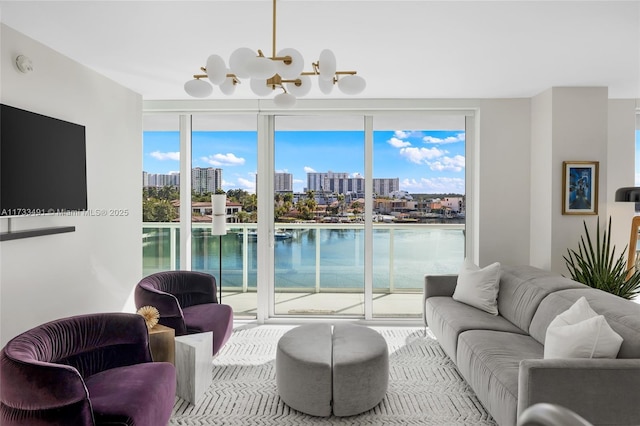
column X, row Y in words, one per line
column 187, row 302
column 85, row 370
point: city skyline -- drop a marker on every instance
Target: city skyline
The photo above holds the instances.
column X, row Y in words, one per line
column 424, row 161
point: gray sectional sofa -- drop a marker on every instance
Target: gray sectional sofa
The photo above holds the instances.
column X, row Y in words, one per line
column 502, row 357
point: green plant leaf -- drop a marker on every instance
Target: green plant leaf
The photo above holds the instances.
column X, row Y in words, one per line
column 597, row 265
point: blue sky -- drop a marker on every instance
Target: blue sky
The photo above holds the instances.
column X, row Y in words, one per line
column 424, row 161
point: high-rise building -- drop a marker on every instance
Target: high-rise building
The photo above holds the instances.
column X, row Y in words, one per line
column 160, row 180
column 206, row 179
column 385, row 186
column 283, row 182
column 318, row 181
column 342, row 183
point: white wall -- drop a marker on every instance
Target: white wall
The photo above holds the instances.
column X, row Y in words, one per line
column 541, row 181
column 621, row 167
column 576, row 124
column 95, row 268
column 504, row 192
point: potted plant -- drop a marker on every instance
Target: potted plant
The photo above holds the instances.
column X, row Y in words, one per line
column 596, row 265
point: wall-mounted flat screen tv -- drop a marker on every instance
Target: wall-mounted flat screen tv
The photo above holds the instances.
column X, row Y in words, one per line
column 43, row 166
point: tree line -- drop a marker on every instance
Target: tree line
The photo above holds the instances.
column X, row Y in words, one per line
column 158, row 205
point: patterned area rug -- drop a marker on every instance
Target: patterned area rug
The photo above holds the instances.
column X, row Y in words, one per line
column 424, row 386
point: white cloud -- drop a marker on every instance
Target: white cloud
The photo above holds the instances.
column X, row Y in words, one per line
column 451, row 139
column 421, row 155
column 434, row 185
column 449, row 164
column 308, row 169
column 401, row 134
column 247, row 184
column 282, row 171
column 162, row 156
column 298, row 181
column 398, row 143
column 228, row 159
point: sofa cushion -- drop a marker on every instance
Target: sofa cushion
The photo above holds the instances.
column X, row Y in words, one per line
column 448, row 318
column 579, row 332
column 116, row 397
column 478, row 287
column 522, row 288
column 622, row 315
column 489, row 362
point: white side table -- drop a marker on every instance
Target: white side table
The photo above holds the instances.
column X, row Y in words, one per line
column 193, row 365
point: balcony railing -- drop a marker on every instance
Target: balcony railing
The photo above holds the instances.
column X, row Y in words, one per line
column 314, row 257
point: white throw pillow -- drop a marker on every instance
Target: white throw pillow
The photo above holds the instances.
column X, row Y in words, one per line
column 478, row 287
column 579, row 332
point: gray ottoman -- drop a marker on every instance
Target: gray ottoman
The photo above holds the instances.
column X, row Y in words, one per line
column 318, row 368
column 303, row 369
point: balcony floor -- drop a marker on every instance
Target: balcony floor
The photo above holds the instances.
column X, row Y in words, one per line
column 405, row 306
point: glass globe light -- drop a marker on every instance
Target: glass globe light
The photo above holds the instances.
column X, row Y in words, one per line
column 326, row 86
column 259, row 87
column 216, row 69
column 227, row 87
column 294, row 68
column 198, row 88
column 301, row 90
column 239, row 59
column 327, row 64
column 284, row 100
column 261, row 67
column 352, row 84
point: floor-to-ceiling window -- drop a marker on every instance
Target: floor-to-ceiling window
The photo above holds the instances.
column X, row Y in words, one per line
column 319, row 201
column 224, row 157
column 361, row 212
column 160, row 193
column 419, row 206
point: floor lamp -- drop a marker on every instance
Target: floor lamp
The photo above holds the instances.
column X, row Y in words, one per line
column 631, row 194
column 219, row 228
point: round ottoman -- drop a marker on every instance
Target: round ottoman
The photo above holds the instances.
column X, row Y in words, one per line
column 303, row 369
column 360, row 369
column 320, row 368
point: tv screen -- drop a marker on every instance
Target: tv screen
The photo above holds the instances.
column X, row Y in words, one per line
column 42, row 164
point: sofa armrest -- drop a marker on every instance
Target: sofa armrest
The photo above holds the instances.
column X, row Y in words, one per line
column 603, row 391
column 439, row 285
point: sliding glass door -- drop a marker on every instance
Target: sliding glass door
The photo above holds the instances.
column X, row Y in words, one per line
column 318, row 199
column 419, row 210
column 224, row 158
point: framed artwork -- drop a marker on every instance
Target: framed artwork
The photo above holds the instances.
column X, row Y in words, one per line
column 579, row 187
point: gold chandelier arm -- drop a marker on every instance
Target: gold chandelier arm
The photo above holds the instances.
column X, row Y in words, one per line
column 316, row 72
column 273, row 35
column 236, row 80
column 295, row 81
column 286, row 59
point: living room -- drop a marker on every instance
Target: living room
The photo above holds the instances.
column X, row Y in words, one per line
column 516, row 146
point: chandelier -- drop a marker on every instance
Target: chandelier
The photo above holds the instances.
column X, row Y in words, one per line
column 282, row 72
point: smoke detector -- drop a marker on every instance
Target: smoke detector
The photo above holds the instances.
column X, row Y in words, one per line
column 24, row 64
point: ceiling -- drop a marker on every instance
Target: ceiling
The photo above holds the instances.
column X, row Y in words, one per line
column 404, row 49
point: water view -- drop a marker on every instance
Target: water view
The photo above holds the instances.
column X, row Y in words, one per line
column 315, row 257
